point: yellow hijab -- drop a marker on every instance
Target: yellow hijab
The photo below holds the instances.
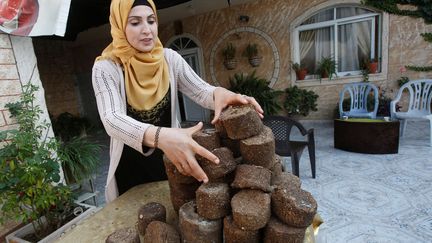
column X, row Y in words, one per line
column 146, row 74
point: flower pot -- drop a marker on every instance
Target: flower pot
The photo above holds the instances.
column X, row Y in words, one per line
column 255, row 61
column 324, row 75
column 373, row 67
column 18, row 235
column 230, row 64
column 301, row 74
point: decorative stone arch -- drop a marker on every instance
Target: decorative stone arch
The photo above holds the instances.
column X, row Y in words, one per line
column 254, row 30
column 327, row 4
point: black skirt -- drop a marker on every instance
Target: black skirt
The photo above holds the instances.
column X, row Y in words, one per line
column 135, row 168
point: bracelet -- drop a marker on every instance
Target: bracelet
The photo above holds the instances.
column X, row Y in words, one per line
column 156, row 140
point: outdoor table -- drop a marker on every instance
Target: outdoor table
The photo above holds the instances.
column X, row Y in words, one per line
column 370, row 136
column 123, row 212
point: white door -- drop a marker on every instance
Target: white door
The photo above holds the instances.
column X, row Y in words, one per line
column 193, row 111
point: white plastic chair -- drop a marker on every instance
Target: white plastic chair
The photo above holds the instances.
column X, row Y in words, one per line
column 358, row 92
column 419, row 106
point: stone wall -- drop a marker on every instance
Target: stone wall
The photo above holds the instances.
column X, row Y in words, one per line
column 18, row 66
column 9, row 82
column 269, row 26
column 273, row 18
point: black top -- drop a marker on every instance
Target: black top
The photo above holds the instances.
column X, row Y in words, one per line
column 135, row 168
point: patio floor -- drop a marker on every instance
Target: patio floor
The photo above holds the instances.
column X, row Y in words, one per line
column 363, row 197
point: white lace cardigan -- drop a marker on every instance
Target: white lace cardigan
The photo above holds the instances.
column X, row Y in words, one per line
column 109, row 88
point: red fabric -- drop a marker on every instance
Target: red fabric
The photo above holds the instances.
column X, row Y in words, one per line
column 27, row 11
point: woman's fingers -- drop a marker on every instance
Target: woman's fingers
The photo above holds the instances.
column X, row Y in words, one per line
column 200, row 150
column 196, row 170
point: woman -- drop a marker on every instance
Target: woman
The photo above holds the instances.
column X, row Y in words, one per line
column 136, row 82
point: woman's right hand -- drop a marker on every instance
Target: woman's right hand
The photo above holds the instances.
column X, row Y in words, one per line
column 180, row 148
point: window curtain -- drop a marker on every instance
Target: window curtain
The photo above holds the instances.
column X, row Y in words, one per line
column 353, row 41
column 323, row 39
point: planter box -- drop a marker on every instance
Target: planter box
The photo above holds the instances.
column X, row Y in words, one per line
column 15, row 237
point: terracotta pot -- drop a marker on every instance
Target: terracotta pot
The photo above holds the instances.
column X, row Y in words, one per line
column 324, row 75
column 230, row 64
column 301, row 74
column 373, row 67
column 255, row 61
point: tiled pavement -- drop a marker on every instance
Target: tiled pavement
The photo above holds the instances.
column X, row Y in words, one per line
column 361, row 197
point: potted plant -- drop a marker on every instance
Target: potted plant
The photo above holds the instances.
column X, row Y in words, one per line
column 80, row 156
column 30, row 186
column 371, row 65
column 327, row 67
column 251, row 52
column 229, row 56
column 258, row 88
column 300, row 101
column 300, row 71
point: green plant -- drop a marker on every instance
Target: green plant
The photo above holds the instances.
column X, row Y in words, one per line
column 300, row 101
column 297, row 67
column 30, row 170
column 422, row 9
column 258, row 88
column 229, row 51
column 80, row 158
column 251, row 50
column 327, row 67
column 66, row 126
column 402, row 80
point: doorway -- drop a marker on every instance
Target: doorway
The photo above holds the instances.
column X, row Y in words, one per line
column 189, row 50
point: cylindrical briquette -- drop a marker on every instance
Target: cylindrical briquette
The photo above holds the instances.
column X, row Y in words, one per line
column 251, row 209
column 213, row 200
column 150, row 212
column 259, row 149
column 196, row 229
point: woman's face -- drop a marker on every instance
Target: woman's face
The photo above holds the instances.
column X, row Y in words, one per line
column 141, row 28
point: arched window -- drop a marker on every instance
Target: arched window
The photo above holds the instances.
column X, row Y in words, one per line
column 182, row 43
column 350, row 35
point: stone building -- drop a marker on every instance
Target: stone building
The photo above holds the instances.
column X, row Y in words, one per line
column 279, row 28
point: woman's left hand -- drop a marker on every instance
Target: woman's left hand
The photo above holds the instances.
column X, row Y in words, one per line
column 224, row 98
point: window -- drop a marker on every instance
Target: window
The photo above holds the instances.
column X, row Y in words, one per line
column 348, row 34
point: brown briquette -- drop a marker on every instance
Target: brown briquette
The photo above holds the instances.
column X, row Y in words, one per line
column 259, row 149
column 213, row 200
column 294, row 207
column 233, row 145
column 228, row 178
column 196, row 229
column 220, row 129
column 251, row 209
column 161, row 232
column 174, row 175
column 182, row 193
column 241, row 121
column 150, row 212
column 234, row 234
column 226, row 164
column 125, row 235
column 252, row 177
column 208, row 138
column 278, row 232
column 287, row 180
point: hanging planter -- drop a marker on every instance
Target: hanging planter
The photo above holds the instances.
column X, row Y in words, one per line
column 251, row 52
column 255, row 61
column 230, row 64
column 229, row 56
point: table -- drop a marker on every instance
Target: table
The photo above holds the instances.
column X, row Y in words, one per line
column 370, row 136
column 122, row 212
